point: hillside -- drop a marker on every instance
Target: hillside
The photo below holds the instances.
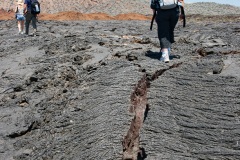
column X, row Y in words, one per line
column 121, row 6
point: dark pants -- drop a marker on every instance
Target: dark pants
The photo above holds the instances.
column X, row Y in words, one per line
column 166, row 21
column 30, row 17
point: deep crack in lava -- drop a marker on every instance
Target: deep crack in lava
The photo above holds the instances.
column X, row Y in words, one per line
column 139, row 106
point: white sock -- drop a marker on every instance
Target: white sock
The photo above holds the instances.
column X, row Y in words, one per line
column 164, row 53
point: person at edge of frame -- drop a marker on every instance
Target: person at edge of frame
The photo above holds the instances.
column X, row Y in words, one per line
column 30, row 17
column 19, row 11
column 166, row 20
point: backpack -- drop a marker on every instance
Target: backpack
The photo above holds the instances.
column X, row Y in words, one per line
column 166, row 4
column 35, row 7
column 163, row 4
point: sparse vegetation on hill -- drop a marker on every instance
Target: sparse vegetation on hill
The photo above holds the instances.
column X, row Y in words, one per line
column 107, row 10
column 116, row 7
column 210, row 8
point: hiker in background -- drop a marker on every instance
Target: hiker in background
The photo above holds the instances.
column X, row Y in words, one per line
column 20, row 15
column 167, row 15
column 32, row 9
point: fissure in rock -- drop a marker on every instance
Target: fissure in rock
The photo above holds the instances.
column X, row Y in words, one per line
column 140, row 108
column 131, row 149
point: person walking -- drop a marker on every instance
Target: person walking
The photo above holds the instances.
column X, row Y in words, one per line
column 30, row 15
column 19, row 10
column 167, row 15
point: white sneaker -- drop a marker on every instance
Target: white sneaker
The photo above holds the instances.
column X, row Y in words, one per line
column 165, row 57
column 34, row 32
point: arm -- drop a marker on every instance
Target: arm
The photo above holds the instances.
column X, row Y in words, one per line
column 154, row 15
column 16, row 9
column 181, row 11
column 182, row 15
column 153, row 11
column 181, row 1
column 25, row 6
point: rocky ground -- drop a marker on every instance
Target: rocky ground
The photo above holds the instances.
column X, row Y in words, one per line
column 97, row 90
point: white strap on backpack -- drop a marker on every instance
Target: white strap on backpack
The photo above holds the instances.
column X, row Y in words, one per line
column 168, row 4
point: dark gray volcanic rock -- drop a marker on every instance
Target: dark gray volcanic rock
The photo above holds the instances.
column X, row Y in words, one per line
column 97, row 90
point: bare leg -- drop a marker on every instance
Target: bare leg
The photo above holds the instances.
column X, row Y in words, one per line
column 22, row 26
column 19, row 26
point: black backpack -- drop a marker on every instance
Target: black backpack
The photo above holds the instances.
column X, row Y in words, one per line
column 155, row 4
column 35, row 5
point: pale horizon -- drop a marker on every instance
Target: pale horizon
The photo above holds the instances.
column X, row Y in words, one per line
column 230, row 2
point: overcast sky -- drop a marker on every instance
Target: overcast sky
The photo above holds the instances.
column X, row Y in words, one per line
column 231, row 2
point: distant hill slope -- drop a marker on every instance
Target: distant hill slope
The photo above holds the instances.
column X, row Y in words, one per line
column 210, row 8
column 115, row 7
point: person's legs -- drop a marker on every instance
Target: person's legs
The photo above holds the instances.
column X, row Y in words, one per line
column 163, row 23
column 173, row 22
column 27, row 22
column 162, row 20
column 19, row 26
column 34, row 23
column 22, row 26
